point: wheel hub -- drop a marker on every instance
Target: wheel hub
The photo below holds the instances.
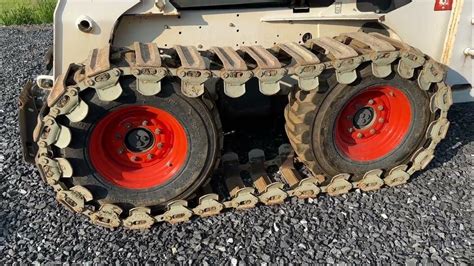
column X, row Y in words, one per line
column 373, row 123
column 363, row 117
column 139, row 140
column 138, row 147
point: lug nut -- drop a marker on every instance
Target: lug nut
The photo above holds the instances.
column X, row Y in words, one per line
column 380, row 107
column 391, row 93
column 371, row 101
column 157, row 131
column 128, row 125
column 359, row 135
column 120, row 151
column 149, row 156
column 159, row 145
column 133, row 158
column 381, row 120
column 145, row 123
column 372, row 131
column 350, row 129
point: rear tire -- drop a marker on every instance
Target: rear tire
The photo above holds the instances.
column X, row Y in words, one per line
column 120, row 184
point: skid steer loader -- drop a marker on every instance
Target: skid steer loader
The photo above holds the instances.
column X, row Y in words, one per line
column 127, row 128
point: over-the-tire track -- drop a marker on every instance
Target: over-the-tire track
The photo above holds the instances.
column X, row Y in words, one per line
column 104, row 69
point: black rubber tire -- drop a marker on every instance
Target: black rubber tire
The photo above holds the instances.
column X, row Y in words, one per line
column 311, row 117
column 201, row 124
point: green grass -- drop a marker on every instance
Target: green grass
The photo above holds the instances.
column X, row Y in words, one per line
column 21, row 12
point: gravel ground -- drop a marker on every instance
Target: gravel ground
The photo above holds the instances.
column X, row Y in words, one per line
column 427, row 220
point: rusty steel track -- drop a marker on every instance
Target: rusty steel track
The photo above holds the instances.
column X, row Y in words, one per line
column 150, row 65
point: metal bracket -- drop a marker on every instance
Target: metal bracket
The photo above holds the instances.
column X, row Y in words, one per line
column 438, row 130
column 54, row 169
column 421, row 159
column 243, row 198
column 106, row 84
column 208, row 205
column 442, row 99
column 75, row 198
column 235, row 73
column 308, row 67
column 408, row 63
column 397, row 176
column 346, row 69
column 71, row 105
column 192, row 72
column 339, row 185
column 273, row 194
column 431, row 73
column 53, row 133
column 268, row 71
column 177, row 212
column 371, row 180
column 307, row 188
column 383, row 52
column 107, row 216
column 149, row 79
column 139, row 218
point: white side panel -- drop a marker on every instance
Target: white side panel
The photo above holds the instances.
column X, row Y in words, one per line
column 463, row 39
column 420, row 26
column 71, row 44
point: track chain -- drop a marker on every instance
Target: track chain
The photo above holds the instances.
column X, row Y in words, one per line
column 146, row 62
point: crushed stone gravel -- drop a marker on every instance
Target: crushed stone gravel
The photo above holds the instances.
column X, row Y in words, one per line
column 428, row 220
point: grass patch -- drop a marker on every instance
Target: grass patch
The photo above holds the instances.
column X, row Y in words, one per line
column 26, row 12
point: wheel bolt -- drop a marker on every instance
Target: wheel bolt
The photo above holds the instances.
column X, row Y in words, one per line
column 372, row 131
column 149, row 156
column 145, row 123
column 128, row 125
column 381, row 120
column 380, row 107
column 391, row 93
column 371, row 101
column 133, row 158
column 359, row 135
column 120, row 151
column 160, row 145
column 157, row 131
column 350, row 129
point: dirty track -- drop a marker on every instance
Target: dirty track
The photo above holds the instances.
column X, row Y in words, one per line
column 425, row 220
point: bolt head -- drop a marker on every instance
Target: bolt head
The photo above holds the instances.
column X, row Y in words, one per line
column 381, row 120
column 157, row 131
column 350, row 130
column 372, row 131
column 149, row 156
column 371, row 101
column 359, row 135
column 133, row 158
column 159, row 145
column 380, row 107
column 120, row 151
column 145, row 123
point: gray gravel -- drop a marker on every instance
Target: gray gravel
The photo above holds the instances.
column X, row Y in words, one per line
column 427, row 220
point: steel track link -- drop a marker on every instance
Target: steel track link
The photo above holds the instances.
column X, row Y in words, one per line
column 343, row 55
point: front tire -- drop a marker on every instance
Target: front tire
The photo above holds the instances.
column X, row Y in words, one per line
column 370, row 124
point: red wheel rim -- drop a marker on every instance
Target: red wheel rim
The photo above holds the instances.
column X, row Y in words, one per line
column 373, row 123
column 138, row 147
